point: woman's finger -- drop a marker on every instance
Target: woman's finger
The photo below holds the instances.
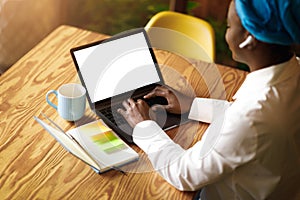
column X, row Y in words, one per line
column 122, row 112
column 158, row 91
column 126, row 104
column 131, row 102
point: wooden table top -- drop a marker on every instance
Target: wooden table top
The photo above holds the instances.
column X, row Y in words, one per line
column 34, row 166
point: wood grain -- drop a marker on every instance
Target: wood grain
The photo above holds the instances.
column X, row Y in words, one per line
column 34, row 166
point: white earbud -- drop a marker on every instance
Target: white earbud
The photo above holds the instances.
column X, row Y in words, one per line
column 246, row 42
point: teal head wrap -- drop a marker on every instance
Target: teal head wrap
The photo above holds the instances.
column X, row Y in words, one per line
column 271, row 21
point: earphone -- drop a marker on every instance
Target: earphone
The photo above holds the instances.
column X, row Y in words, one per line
column 246, row 42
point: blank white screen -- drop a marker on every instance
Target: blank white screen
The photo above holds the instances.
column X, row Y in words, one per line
column 117, row 66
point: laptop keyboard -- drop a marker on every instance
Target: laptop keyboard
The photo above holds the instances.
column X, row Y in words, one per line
column 113, row 115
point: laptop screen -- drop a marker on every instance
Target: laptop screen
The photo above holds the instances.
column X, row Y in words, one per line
column 116, row 66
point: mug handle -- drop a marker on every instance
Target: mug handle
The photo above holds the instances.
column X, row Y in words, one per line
column 47, row 99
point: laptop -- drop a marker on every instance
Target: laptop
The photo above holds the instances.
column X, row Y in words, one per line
column 116, row 69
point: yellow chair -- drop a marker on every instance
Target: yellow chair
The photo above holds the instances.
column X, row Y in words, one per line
column 183, row 34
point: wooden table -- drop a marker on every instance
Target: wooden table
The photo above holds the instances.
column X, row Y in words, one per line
column 34, row 166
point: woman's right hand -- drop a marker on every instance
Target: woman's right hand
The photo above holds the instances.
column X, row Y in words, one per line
column 178, row 103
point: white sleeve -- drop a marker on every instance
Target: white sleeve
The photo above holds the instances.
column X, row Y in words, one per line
column 205, row 109
column 184, row 169
column 181, row 168
column 207, row 161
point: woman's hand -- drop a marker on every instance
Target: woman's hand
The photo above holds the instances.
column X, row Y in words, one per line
column 136, row 112
column 178, row 103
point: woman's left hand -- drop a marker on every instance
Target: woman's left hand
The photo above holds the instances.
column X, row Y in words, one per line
column 136, row 112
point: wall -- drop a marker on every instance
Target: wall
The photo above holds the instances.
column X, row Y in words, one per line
column 216, row 9
column 23, row 23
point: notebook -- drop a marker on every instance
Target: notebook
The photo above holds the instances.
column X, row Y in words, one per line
column 94, row 143
column 115, row 69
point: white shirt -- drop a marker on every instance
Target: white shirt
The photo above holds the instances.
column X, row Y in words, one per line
column 251, row 149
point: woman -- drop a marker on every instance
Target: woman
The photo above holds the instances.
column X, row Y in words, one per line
column 252, row 148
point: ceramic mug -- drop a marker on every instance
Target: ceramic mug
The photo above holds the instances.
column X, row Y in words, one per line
column 71, row 101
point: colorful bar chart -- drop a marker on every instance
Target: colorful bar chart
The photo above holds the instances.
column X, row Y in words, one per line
column 108, row 142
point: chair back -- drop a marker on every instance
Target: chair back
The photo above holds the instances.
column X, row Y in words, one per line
column 183, row 34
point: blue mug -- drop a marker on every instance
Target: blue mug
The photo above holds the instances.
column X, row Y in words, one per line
column 71, row 101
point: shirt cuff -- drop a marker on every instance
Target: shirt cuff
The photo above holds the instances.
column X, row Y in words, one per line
column 205, row 109
column 149, row 136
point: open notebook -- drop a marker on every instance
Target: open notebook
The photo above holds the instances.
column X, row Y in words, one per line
column 93, row 143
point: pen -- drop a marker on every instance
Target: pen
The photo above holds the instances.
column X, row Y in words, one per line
column 118, row 169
